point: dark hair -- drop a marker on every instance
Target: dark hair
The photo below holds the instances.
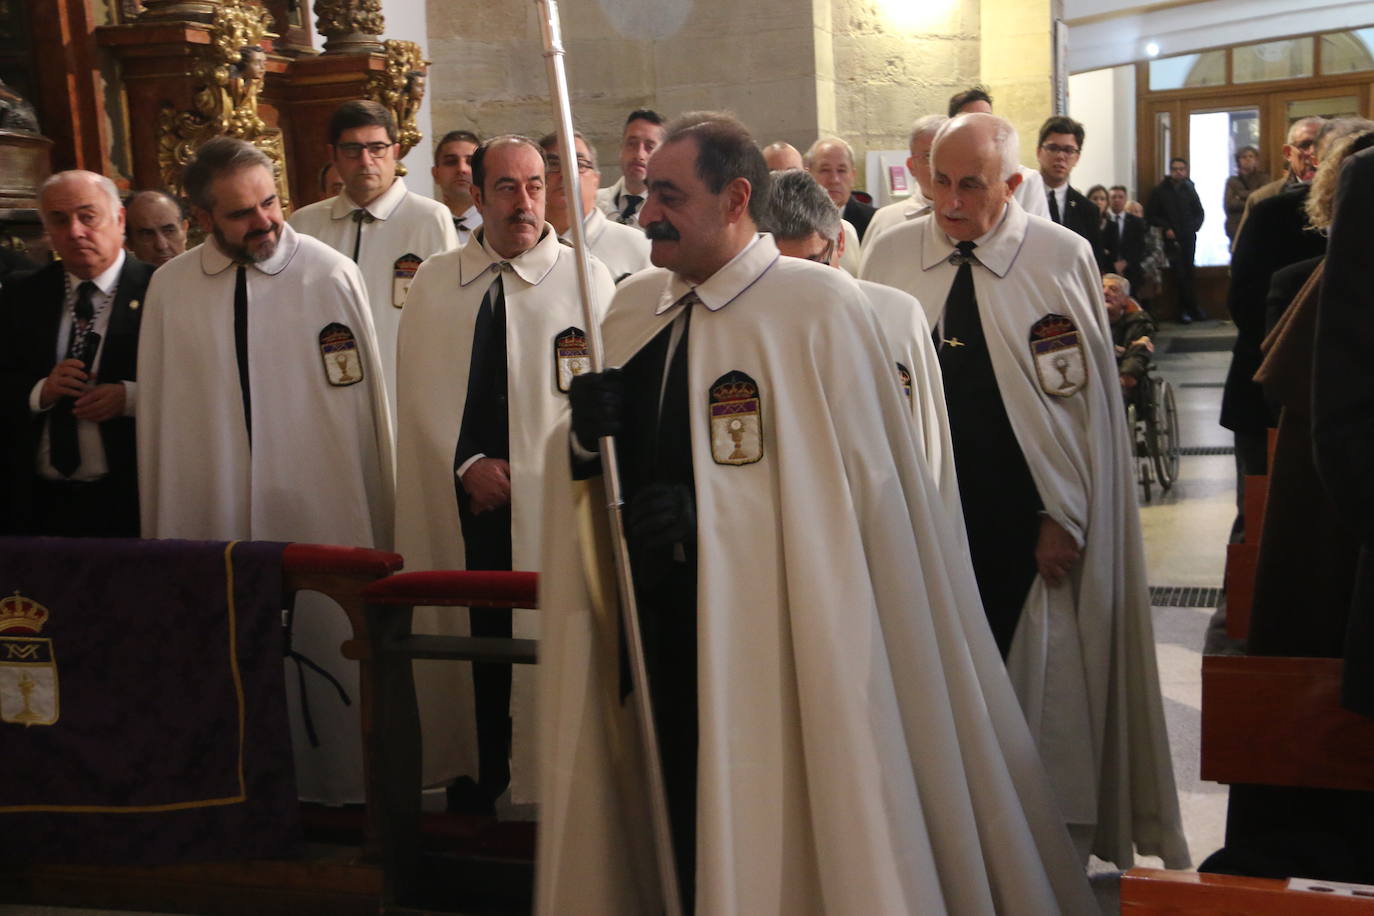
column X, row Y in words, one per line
column 218, row 156
column 1247, row 149
column 360, row 113
column 455, row 136
column 1119, row 187
column 159, row 193
column 978, row 93
column 645, row 114
column 1097, row 187
column 549, row 144
column 1059, row 124
column 479, row 158
column 725, row 151
column 1177, row 159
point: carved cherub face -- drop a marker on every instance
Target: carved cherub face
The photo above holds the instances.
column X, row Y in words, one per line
column 415, row 86
column 253, row 63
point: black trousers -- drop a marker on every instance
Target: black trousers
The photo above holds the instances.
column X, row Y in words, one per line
column 486, row 540
column 101, row 508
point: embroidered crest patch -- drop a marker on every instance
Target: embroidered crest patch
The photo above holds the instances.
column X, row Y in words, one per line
column 904, row 379
column 570, row 356
column 1057, row 349
column 403, row 273
column 339, row 350
column 736, row 414
column 28, row 668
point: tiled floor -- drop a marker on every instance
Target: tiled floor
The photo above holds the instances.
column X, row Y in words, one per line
column 1185, row 537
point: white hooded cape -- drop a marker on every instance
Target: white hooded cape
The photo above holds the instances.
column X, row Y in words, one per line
column 404, row 223
column 434, row 356
column 861, row 750
column 623, row 249
column 320, row 466
column 1083, row 657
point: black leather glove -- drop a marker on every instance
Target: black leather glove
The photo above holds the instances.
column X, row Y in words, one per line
column 597, row 400
column 660, row 527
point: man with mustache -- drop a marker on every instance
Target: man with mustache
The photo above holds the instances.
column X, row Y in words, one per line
column 1040, row 451
column 491, row 339
column 387, row 229
column 68, row 341
column 811, row 629
column 263, row 416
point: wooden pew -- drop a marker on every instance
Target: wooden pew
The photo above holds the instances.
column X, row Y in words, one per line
column 1158, row 891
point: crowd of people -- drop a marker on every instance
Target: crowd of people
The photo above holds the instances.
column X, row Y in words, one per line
column 882, row 530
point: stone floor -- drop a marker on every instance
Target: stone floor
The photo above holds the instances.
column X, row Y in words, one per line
column 1185, row 536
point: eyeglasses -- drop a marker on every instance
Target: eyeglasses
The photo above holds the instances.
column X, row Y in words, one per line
column 555, row 166
column 353, row 150
column 1055, row 149
column 823, row 256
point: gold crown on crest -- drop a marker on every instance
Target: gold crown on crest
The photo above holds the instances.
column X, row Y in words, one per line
column 734, row 391
column 23, row 614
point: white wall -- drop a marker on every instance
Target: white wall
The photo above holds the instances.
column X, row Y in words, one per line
column 1104, row 101
column 407, row 20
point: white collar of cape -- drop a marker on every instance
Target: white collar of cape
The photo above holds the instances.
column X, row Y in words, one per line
column 476, row 260
column 997, row 250
column 727, row 284
column 593, row 227
column 381, row 208
column 213, row 260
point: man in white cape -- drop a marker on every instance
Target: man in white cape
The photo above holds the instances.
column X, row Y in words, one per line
column 459, row 440
column 1078, row 635
column 623, row 249
column 289, row 441
column 854, row 744
column 387, row 229
column 918, row 164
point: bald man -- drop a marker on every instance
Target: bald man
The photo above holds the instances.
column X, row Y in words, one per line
column 68, row 348
column 155, row 227
column 781, row 156
column 830, row 161
column 1041, row 455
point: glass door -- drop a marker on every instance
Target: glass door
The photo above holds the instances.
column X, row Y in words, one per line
column 1214, row 138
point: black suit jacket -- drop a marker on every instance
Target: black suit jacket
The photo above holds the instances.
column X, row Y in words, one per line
column 1343, row 403
column 1082, row 216
column 1128, row 246
column 859, row 213
column 30, row 317
column 1273, row 236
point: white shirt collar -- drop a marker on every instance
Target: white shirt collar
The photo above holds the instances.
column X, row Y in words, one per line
column 106, row 281
column 730, row 282
column 381, row 208
column 532, row 265
column 997, row 248
column 213, row 260
column 593, row 226
column 471, row 216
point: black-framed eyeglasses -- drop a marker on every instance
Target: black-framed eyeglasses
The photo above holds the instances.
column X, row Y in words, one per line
column 353, row 150
column 1055, row 149
column 823, row 256
column 555, row 165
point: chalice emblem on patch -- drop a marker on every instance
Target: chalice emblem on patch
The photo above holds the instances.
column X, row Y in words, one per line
column 735, row 408
column 1062, row 364
column 341, row 360
column 1057, row 349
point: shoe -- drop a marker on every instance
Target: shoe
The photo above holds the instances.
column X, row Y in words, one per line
column 465, row 796
column 1185, row 318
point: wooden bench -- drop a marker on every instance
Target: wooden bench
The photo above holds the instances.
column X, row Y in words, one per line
column 1178, row 893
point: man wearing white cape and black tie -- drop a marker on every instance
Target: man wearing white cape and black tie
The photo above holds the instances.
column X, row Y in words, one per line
column 837, row 731
column 1042, row 458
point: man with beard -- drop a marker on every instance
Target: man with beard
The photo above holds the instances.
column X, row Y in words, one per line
column 1041, row 455
column 452, row 172
column 387, row 229
column 491, row 341
column 156, row 227
column 837, row 733
column 623, row 249
column 263, row 417
column 918, row 164
column 622, row 200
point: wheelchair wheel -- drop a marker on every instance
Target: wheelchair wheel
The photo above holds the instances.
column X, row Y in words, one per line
column 1162, row 432
column 1140, row 445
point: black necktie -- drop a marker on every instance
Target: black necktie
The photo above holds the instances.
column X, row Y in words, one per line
column 459, row 225
column 485, row 429
column 632, row 202
column 360, row 216
column 241, row 345
column 64, row 452
column 674, row 406
column 961, row 327
column 1054, row 206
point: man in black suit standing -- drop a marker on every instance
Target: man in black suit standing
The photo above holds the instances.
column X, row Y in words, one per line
column 68, row 347
column 1176, row 209
column 1123, row 238
column 1061, row 143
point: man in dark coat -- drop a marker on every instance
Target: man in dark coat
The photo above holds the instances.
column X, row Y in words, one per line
column 1060, row 145
column 1177, row 210
column 68, row 348
column 1123, row 238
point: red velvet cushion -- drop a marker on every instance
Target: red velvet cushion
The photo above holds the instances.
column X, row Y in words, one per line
column 461, row 588
column 322, row 558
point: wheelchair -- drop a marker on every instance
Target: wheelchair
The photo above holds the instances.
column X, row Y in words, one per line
column 1152, row 418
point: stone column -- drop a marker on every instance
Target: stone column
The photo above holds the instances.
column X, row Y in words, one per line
column 1017, row 63
column 350, row 26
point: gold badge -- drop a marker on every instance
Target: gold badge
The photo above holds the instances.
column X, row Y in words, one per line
column 904, row 379
column 28, row 669
column 133, row 306
column 339, row 349
column 736, row 412
column 1057, row 349
column 403, row 274
column 570, row 356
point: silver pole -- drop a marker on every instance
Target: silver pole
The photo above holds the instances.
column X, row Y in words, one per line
column 572, row 184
